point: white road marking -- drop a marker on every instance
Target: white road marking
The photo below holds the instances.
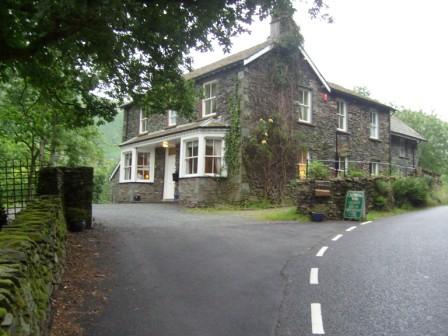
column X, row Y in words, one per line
column 351, row 228
column 335, row 238
column 321, row 251
column 314, row 276
column 364, row 223
column 317, row 325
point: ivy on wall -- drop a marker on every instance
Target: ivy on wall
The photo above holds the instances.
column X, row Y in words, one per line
column 233, row 137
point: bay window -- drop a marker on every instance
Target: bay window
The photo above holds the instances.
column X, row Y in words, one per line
column 127, row 166
column 191, row 157
column 143, row 173
column 213, row 156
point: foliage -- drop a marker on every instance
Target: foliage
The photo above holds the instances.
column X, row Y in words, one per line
column 269, row 156
column 380, row 202
column 432, row 153
column 122, row 48
column 383, row 187
column 320, row 208
column 233, row 136
column 318, row 171
column 354, row 172
column 362, row 90
column 412, row 191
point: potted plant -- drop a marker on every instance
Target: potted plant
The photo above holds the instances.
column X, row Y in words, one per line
column 319, row 212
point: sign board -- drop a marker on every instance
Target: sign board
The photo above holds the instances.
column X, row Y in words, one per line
column 355, row 205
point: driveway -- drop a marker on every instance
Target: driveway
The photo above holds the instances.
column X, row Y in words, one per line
column 182, row 273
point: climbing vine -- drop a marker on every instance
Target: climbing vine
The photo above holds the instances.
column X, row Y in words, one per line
column 233, row 136
column 270, row 150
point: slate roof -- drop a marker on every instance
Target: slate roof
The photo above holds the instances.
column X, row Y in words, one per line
column 400, row 128
column 226, row 61
column 207, row 123
column 341, row 89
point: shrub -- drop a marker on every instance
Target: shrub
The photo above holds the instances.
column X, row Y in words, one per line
column 380, row 202
column 318, row 171
column 383, row 187
column 355, row 173
column 411, row 190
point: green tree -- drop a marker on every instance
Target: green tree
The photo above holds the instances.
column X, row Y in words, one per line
column 433, row 152
column 362, row 90
column 123, row 48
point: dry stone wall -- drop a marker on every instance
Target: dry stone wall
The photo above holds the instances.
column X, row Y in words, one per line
column 32, row 252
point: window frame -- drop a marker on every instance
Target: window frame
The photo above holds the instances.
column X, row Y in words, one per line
column 374, row 168
column 344, row 115
column 186, row 157
column 170, row 117
column 301, row 92
column 145, row 121
column 137, row 179
column 212, row 99
column 221, row 156
column 127, row 167
column 403, row 153
column 374, row 125
column 343, row 160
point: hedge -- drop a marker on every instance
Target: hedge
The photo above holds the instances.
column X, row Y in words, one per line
column 32, row 251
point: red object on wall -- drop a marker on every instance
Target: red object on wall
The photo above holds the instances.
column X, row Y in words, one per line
column 325, row 97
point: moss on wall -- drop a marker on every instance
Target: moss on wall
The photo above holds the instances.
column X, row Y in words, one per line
column 32, row 251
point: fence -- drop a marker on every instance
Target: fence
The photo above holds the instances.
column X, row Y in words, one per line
column 345, row 167
column 17, row 185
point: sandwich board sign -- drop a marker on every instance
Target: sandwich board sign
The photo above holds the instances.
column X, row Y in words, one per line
column 355, row 205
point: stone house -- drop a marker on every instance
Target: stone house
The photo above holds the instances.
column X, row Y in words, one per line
column 165, row 157
column 404, row 147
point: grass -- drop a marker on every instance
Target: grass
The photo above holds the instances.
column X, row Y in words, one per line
column 272, row 214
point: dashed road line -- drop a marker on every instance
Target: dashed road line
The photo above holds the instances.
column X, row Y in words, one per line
column 335, row 238
column 351, row 228
column 314, row 276
column 317, row 326
column 364, row 223
column 321, row 252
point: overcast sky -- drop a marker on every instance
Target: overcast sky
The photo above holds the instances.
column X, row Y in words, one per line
column 396, row 48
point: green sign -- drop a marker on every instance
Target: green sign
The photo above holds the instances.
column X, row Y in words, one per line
column 355, row 205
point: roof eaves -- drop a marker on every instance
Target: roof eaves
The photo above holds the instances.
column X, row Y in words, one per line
column 315, row 69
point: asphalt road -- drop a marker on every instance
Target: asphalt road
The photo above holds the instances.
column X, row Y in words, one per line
column 178, row 273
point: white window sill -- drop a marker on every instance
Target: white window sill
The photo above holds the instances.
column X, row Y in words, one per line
column 374, row 139
column 341, row 130
column 138, row 181
column 209, row 115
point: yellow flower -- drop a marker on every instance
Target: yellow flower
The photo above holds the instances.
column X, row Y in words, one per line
column 265, row 133
column 270, row 120
column 261, row 120
column 264, row 142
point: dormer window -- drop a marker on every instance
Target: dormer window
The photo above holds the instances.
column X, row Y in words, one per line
column 172, row 118
column 209, row 100
column 144, row 120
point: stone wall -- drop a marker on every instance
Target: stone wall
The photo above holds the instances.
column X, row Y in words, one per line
column 157, row 122
column 306, row 198
column 206, row 191
column 321, row 137
column 32, row 254
column 409, row 159
column 74, row 186
column 141, row 191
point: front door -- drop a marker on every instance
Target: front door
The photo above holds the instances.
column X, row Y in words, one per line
column 170, row 169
